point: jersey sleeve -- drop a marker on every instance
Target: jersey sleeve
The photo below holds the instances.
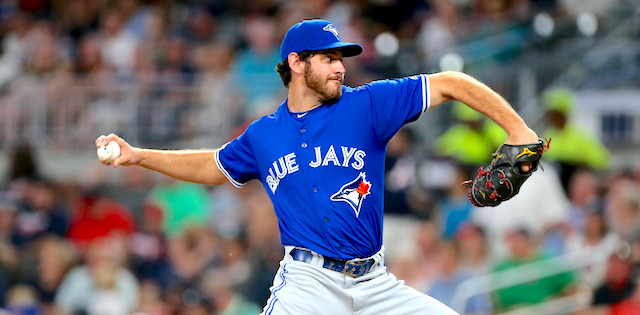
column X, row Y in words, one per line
column 236, row 160
column 397, row 102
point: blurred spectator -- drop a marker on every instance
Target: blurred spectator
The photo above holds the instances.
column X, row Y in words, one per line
column 185, row 205
column 151, row 302
column 584, row 197
column 472, row 140
column 132, row 191
column 16, row 44
column 23, row 162
column 102, row 285
column 496, row 16
column 597, row 239
column 400, row 173
column 219, row 287
column 23, row 300
column 117, row 44
column 454, row 210
column 97, row 216
column 416, row 264
column 40, row 214
column 441, row 31
column 404, row 201
column 191, row 254
column 263, row 238
column 48, row 56
column 523, row 250
column 77, row 17
column 89, row 59
column 450, row 276
column 228, row 217
column 148, row 245
column 54, row 258
column 8, row 210
column 137, row 15
column 619, row 282
column 568, row 236
column 216, row 92
column 155, row 45
column 572, row 147
column 628, row 306
column 622, row 208
column 203, row 28
column 176, row 61
column 474, row 250
column 3, row 290
column 199, row 306
column 8, row 253
column 253, row 69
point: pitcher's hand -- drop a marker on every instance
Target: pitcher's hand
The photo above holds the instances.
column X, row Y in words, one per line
column 128, row 154
column 524, row 136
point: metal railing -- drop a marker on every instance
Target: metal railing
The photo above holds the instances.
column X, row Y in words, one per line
column 54, row 113
column 533, row 271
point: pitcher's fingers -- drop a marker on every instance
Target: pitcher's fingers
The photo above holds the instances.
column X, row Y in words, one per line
column 100, row 140
column 111, row 137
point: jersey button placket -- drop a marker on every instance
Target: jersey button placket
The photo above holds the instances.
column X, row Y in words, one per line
column 303, row 138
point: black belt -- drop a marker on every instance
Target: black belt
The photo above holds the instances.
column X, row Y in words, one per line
column 353, row 268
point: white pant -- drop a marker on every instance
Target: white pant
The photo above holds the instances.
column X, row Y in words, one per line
column 307, row 288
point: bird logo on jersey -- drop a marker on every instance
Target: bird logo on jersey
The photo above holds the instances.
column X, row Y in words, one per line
column 354, row 192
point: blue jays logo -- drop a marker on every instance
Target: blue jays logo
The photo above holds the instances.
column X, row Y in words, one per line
column 354, row 192
column 332, row 29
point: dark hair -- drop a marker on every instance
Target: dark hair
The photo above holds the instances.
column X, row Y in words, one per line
column 285, row 71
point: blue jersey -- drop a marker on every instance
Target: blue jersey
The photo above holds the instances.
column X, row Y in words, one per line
column 324, row 169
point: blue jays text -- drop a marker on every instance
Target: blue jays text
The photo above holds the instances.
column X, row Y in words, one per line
column 287, row 164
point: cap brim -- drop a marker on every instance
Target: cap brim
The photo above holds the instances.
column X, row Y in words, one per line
column 348, row 49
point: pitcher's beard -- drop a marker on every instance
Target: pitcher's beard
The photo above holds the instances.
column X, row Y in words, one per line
column 319, row 85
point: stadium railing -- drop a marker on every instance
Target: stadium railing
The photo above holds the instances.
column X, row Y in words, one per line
column 570, row 262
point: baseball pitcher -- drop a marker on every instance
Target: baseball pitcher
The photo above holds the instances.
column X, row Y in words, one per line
column 320, row 157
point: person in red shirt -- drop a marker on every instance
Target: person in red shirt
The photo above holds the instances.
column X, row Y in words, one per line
column 629, row 306
column 98, row 215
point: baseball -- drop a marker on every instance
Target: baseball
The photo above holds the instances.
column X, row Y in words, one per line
column 109, row 153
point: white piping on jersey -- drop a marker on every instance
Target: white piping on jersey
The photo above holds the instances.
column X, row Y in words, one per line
column 224, row 171
column 425, row 88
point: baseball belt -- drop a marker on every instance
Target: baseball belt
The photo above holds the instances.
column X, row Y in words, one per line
column 353, row 268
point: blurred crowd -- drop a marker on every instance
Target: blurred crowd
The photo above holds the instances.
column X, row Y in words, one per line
column 70, row 69
column 129, row 241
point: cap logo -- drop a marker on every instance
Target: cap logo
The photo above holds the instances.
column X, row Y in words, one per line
column 332, row 29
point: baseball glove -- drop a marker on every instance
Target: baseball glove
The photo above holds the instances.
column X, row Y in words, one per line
column 501, row 180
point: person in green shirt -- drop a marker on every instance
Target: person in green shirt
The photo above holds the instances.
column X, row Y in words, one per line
column 524, row 250
column 184, row 205
column 472, row 140
column 572, row 147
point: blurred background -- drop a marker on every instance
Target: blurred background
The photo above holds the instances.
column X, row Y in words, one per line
column 77, row 237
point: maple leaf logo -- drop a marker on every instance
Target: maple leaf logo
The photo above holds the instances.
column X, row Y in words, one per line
column 363, row 188
column 354, row 192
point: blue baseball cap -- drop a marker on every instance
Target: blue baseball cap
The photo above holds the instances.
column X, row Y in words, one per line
column 315, row 35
